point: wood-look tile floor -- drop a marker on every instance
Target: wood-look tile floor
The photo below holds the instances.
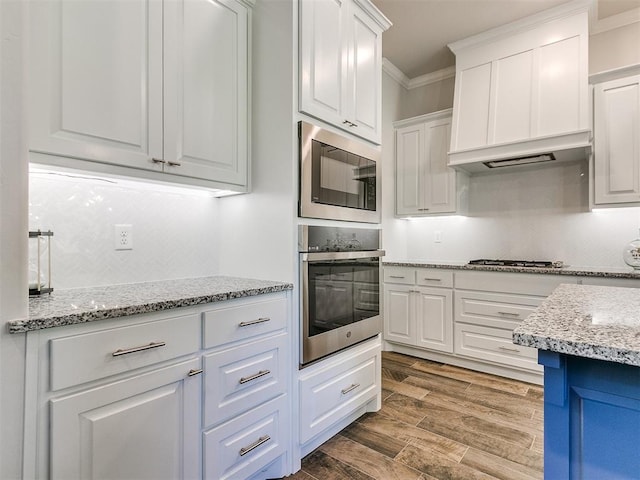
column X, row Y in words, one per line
column 437, row 422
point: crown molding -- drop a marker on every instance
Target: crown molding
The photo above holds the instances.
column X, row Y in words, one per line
column 411, row 83
column 597, row 26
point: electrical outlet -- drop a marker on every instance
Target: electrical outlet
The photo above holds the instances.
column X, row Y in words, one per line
column 123, row 237
column 437, row 236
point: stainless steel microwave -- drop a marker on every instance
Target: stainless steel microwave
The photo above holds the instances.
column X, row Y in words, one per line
column 339, row 177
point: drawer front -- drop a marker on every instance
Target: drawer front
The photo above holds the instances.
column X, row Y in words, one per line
column 494, row 309
column 241, row 447
column 82, row 358
column 241, row 378
column 406, row 276
column 334, row 392
column 434, row 278
column 244, row 320
column 494, row 345
column 518, row 283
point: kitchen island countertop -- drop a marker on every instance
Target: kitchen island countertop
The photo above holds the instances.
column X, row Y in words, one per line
column 586, row 321
column 81, row 305
column 602, row 272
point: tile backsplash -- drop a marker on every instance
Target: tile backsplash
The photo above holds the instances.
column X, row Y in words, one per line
column 174, row 230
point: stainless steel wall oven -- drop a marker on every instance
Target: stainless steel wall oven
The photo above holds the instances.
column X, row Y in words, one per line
column 340, row 288
column 339, row 177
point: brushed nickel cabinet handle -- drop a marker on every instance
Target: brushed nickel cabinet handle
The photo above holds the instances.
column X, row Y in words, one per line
column 193, row 372
column 509, row 314
column 396, row 276
column 423, row 209
column 254, row 445
column 351, row 388
column 509, row 349
column 261, row 373
column 174, row 164
column 433, row 279
column 126, row 351
column 254, row 322
column 158, row 160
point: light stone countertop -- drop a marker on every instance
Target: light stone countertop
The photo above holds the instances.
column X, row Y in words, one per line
column 586, row 321
column 576, row 271
column 81, row 305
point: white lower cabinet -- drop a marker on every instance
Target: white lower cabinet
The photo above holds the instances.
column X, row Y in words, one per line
column 162, row 396
column 419, row 315
column 145, row 426
column 335, row 391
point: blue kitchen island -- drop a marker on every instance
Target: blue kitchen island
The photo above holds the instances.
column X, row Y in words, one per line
column 588, row 340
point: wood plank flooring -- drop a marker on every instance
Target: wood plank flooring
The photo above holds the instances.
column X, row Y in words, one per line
column 437, row 422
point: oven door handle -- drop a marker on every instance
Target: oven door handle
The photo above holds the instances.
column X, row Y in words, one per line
column 319, row 256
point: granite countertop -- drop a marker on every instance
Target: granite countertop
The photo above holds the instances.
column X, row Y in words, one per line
column 586, row 321
column 81, row 305
column 602, row 272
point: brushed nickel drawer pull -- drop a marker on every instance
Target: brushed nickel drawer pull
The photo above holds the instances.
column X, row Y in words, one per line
column 254, row 445
column 174, row 164
column 158, row 160
column 509, row 314
column 193, row 372
column 509, row 349
column 261, row 373
column 351, row 388
column 254, row 322
column 126, row 351
column 396, row 276
column 433, row 279
column 423, row 209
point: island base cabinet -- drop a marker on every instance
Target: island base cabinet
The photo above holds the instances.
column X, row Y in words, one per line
column 591, row 418
column 142, row 427
column 244, row 446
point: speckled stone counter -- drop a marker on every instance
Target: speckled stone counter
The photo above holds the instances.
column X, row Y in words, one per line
column 566, row 270
column 586, row 321
column 81, row 305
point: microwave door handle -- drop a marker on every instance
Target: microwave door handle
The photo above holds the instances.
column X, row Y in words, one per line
column 316, row 256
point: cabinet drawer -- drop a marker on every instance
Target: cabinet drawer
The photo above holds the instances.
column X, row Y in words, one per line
column 494, row 309
column 243, row 377
column 434, row 278
column 402, row 275
column 82, row 358
column 518, row 283
column 335, row 391
column 494, row 345
column 244, row 320
column 244, row 445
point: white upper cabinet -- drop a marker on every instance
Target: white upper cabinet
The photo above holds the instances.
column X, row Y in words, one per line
column 522, row 89
column 341, row 64
column 142, row 88
column 425, row 184
column 616, row 162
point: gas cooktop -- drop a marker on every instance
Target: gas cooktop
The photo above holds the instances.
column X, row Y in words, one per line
column 517, row 263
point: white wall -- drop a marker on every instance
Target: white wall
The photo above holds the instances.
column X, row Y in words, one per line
column 175, row 231
column 258, row 237
column 13, row 232
column 429, row 98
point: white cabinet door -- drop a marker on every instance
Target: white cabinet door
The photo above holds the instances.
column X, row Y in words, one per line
column 425, row 184
column 617, row 141
column 206, row 89
column 434, row 319
column 409, row 158
column 399, row 320
column 96, row 80
column 143, row 427
column 364, row 75
column 323, row 59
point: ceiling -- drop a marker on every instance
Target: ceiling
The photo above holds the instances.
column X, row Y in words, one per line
column 417, row 41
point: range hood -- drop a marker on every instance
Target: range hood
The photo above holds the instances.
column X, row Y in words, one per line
column 521, row 93
column 552, row 150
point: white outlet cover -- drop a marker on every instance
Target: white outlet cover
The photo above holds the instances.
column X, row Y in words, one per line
column 123, row 237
